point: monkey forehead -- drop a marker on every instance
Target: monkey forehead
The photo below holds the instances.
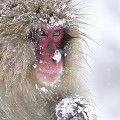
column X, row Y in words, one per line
column 46, row 26
column 53, row 21
column 53, row 28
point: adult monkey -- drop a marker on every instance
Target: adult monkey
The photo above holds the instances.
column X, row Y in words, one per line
column 40, row 60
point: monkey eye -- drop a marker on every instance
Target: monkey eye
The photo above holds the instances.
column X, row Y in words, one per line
column 57, row 33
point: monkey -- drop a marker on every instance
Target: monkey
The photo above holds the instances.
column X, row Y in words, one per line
column 41, row 61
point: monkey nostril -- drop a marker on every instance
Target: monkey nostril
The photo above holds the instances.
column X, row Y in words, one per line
column 53, row 60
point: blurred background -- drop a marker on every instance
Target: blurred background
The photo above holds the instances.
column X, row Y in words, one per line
column 103, row 55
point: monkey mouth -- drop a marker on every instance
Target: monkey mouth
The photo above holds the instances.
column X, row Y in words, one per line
column 48, row 77
column 48, row 72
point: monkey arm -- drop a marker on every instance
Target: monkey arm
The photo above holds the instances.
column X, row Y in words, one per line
column 74, row 108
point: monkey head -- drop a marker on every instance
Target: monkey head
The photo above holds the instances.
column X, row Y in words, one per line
column 38, row 32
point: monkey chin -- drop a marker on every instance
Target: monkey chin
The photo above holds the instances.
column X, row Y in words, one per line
column 48, row 76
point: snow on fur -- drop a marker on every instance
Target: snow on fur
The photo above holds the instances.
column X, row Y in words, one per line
column 74, row 108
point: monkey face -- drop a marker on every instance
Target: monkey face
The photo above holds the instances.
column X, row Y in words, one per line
column 48, row 66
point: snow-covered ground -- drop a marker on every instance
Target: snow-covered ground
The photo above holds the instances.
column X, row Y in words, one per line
column 104, row 55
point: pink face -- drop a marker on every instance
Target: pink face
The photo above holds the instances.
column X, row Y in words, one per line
column 46, row 42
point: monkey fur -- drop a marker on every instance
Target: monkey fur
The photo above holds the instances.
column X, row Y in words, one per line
column 22, row 97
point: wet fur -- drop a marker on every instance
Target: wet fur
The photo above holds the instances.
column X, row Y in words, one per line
column 21, row 97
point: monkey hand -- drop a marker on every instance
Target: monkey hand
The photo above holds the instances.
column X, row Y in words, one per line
column 74, row 108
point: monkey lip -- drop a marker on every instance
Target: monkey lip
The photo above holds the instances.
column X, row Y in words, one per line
column 48, row 72
column 48, row 77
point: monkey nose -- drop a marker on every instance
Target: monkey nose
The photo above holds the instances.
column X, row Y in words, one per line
column 57, row 55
